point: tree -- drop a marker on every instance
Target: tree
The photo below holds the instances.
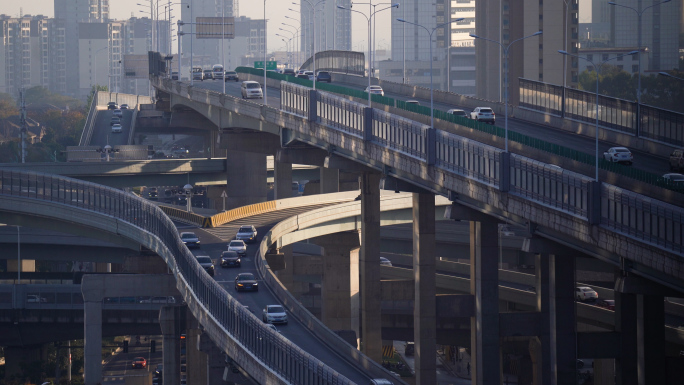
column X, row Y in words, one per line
column 657, row 91
column 91, row 96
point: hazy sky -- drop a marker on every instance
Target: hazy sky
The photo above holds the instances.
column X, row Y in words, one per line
column 275, row 13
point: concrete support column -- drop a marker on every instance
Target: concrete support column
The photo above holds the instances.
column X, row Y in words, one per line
column 246, row 179
column 330, row 180
column 626, row 324
column 354, row 295
column 282, row 180
column 369, row 266
column 196, row 359
column 484, row 286
column 424, row 269
column 545, row 357
column 170, row 327
column 652, row 320
column 215, row 361
column 335, row 291
column 92, row 352
column 562, row 306
column 286, row 275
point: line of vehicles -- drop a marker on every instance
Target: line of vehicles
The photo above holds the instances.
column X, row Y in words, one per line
column 232, row 257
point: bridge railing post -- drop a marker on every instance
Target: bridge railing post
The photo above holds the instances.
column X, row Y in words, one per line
column 504, row 171
column 368, row 124
column 313, row 106
column 431, row 146
column 594, row 203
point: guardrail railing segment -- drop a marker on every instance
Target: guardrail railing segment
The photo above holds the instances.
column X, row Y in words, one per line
column 550, row 186
column 673, row 125
column 273, row 351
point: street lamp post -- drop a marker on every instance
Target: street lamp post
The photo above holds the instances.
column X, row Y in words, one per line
column 313, row 36
column 598, row 71
column 369, row 18
column 188, row 196
column 639, row 14
column 505, row 50
column 432, row 109
column 298, row 59
column 265, row 54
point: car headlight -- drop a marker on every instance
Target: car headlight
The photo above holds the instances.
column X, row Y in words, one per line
column 255, row 284
column 239, row 284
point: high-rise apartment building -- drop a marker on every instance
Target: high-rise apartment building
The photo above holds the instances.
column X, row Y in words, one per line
column 331, row 27
column 661, row 27
column 24, row 52
column 69, row 15
column 535, row 58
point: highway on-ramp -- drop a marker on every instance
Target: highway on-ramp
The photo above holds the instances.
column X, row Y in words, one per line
column 214, row 241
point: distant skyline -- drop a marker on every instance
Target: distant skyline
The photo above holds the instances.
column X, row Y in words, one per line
column 276, row 10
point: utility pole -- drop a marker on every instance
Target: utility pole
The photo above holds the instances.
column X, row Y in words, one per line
column 23, row 124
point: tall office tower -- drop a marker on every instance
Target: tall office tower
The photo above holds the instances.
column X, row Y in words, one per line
column 332, row 26
column 206, row 52
column 535, row 58
column 661, row 27
column 411, row 43
column 137, row 40
column 460, row 64
column 68, row 16
column 24, row 52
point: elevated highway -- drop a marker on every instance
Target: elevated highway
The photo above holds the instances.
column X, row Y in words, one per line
column 563, row 206
column 157, row 172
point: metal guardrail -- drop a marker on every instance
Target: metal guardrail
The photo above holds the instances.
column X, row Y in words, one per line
column 656, row 124
column 88, row 128
column 594, row 206
column 443, row 121
column 264, row 353
column 655, row 222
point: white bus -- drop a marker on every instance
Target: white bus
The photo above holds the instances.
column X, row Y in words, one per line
column 217, row 71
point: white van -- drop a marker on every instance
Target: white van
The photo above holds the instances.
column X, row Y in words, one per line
column 251, row 89
column 217, row 71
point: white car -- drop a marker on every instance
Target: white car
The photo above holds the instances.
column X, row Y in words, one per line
column 238, row 246
column 483, row 114
column 584, row 293
column 274, row 314
column 417, row 103
column 457, row 112
column 251, row 89
column 247, row 233
column 675, row 179
column 116, row 128
column 117, row 112
column 375, row 90
column 619, row 155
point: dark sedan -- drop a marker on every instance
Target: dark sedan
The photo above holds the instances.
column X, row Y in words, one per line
column 206, row 263
column 323, row 76
column 246, row 281
column 606, row 304
column 230, row 259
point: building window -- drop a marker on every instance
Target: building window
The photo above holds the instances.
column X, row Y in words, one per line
column 620, row 58
column 590, row 57
column 604, row 57
column 635, row 68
